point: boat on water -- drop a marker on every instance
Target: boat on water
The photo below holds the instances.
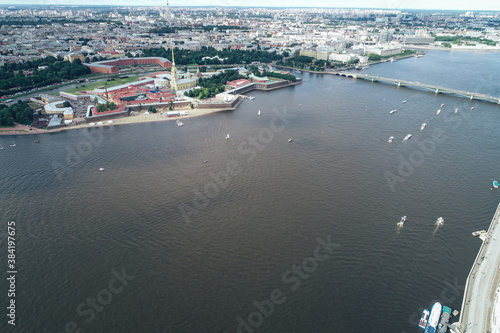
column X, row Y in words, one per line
column 404, row 101
column 402, row 222
column 472, row 108
column 391, row 138
column 258, row 113
column 440, row 221
column 423, row 319
column 438, row 111
column 456, row 110
column 101, row 169
column 392, row 111
column 227, row 136
column 495, row 184
column 433, row 321
column 179, row 123
column 423, row 126
column 442, row 105
column 290, row 140
column 1, row 147
column 407, row 137
column 300, row 104
column 36, row 141
column 205, row 161
column 479, row 232
column 13, row 144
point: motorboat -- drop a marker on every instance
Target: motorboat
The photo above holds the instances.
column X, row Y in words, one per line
column 440, row 221
column 392, row 111
column 179, row 123
column 391, row 138
column 300, row 104
column 407, row 137
column 472, row 108
column 456, row 110
column 227, row 136
column 101, row 169
column 478, row 233
column 13, row 144
column 423, row 319
column 442, row 105
column 258, row 113
column 1, row 147
column 205, row 161
column 438, row 111
column 404, row 101
column 423, row 126
column 495, row 184
column 36, row 141
column 290, row 140
column 402, row 222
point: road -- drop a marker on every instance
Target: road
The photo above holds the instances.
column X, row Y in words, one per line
column 482, row 283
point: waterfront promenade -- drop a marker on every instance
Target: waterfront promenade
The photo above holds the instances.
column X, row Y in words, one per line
column 478, row 305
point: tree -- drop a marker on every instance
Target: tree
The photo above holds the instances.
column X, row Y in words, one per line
column 374, row 57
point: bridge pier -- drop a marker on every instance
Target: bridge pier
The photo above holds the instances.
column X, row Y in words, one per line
column 437, row 91
column 399, row 84
column 471, row 97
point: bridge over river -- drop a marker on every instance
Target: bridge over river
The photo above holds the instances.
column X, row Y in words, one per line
column 427, row 87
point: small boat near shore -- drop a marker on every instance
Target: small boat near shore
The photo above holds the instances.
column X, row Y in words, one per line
column 456, row 110
column 438, row 111
column 495, row 184
column 179, row 123
column 404, row 101
column 101, row 169
column 472, row 108
column 13, row 144
column 290, row 140
column 391, row 138
column 402, row 221
column 258, row 113
column 407, row 137
column 36, row 141
column 1, row 147
column 423, row 319
column 442, row 105
column 227, row 136
column 423, row 126
column 392, row 111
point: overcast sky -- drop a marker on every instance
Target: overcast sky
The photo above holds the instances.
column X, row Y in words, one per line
column 391, row 4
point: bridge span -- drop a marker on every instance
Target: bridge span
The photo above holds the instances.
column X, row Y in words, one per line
column 427, row 87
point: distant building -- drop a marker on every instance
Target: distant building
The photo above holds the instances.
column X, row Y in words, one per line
column 112, row 66
column 385, row 37
column 72, row 57
column 418, row 40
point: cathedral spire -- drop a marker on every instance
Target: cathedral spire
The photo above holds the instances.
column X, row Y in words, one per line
column 173, row 61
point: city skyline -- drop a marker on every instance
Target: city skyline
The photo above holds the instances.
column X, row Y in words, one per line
column 485, row 5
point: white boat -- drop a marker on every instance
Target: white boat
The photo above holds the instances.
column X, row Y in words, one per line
column 391, row 138
column 290, row 140
column 205, row 161
column 440, row 221
column 258, row 113
column 227, row 136
column 1, row 147
column 179, row 123
column 402, row 222
column 101, row 169
column 472, row 108
column 300, row 104
column 392, row 111
column 456, row 110
column 13, row 144
column 442, row 105
column 407, row 137
column 404, row 101
column 438, row 111
column 423, row 126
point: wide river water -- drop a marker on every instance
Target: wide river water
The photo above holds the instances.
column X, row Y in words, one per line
column 267, row 235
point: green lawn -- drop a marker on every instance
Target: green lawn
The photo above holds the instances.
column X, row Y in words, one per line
column 13, row 129
column 93, row 85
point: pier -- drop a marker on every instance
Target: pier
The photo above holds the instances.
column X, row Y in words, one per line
column 480, row 303
column 427, row 87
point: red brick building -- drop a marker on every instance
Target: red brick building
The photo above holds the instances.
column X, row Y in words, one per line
column 112, row 66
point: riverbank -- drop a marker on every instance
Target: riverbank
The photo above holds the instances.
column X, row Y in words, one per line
column 459, row 49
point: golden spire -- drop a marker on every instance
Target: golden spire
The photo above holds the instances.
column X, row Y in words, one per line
column 173, row 61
